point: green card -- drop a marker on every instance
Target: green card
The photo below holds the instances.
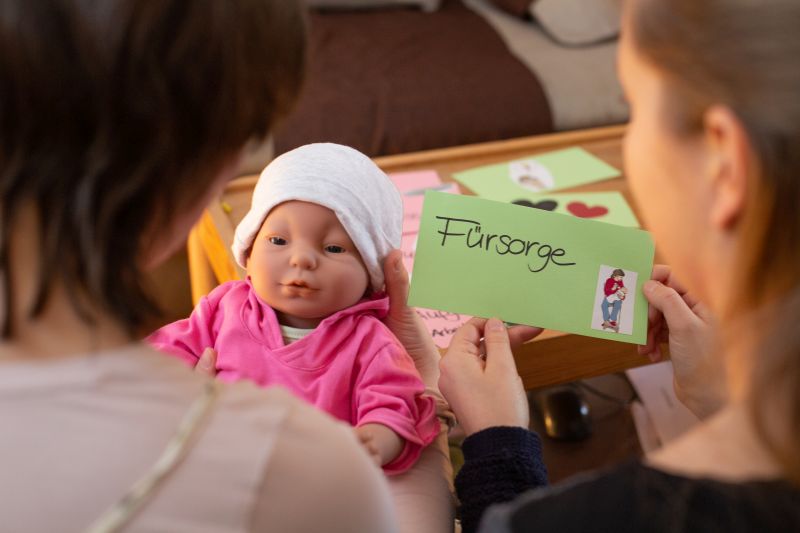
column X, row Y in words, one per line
column 543, row 172
column 610, row 207
column 529, row 266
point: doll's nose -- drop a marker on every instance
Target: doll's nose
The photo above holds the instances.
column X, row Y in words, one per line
column 303, row 258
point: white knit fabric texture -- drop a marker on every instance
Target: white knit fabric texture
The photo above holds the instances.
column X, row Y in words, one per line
column 345, row 181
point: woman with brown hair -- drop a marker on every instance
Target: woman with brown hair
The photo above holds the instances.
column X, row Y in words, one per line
column 119, row 121
column 712, row 155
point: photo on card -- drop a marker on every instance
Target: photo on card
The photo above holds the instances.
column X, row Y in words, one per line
column 614, row 300
column 531, row 175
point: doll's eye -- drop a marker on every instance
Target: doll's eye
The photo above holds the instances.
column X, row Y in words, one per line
column 334, row 249
column 278, row 241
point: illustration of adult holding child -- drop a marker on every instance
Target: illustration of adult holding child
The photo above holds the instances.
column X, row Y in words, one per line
column 611, row 305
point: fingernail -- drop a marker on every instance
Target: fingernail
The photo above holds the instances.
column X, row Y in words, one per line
column 398, row 265
column 494, row 325
column 650, row 286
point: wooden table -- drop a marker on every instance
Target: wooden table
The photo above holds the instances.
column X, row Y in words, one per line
column 552, row 358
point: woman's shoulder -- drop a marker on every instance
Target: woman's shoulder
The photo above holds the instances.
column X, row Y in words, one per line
column 256, row 448
column 313, row 462
column 294, row 457
column 636, row 497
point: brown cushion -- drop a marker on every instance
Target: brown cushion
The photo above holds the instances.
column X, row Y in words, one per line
column 518, row 8
column 402, row 81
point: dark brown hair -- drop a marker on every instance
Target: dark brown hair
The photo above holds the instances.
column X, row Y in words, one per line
column 745, row 55
column 117, row 114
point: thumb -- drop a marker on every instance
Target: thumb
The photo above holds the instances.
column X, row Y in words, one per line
column 396, row 276
column 676, row 312
column 207, row 362
column 498, row 346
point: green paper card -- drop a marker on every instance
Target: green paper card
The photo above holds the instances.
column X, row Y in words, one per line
column 529, row 266
column 610, row 207
column 543, row 172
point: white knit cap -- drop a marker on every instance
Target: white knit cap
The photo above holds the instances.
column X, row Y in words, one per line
column 344, row 180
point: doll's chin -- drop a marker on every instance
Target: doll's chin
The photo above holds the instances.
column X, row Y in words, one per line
column 298, row 311
column 306, row 310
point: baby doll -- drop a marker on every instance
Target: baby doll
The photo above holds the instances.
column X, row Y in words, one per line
column 308, row 316
column 617, row 296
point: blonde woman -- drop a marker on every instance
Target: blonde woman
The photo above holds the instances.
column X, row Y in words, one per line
column 712, row 155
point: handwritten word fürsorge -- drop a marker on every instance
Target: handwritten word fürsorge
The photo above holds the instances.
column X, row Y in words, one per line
column 470, row 233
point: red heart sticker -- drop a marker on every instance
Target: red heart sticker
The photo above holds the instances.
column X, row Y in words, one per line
column 580, row 209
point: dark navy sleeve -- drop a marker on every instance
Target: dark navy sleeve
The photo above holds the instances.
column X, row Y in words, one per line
column 632, row 497
column 500, row 463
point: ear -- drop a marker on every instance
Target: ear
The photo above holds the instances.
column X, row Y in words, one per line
column 729, row 158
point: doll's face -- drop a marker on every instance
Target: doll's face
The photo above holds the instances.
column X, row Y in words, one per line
column 304, row 265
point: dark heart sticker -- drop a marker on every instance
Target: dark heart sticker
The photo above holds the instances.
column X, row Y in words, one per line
column 545, row 205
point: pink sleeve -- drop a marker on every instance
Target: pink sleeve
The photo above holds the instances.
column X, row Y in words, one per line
column 389, row 392
column 187, row 338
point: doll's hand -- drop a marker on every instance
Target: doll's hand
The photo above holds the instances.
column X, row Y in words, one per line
column 207, row 364
column 382, row 443
column 367, row 440
column 685, row 323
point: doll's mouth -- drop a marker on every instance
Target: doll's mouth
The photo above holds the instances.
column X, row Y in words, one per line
column 299, row 284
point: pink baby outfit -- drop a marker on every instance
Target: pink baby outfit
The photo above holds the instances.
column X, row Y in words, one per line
column 351, row 365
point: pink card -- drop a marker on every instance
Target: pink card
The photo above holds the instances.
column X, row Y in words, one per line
column 441, row 324
column 451, row 188
column 408, row 243
column 412, row 211
column 411, row 181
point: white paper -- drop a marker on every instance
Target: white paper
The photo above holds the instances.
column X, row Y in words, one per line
column 669, row 417
column 648, row 438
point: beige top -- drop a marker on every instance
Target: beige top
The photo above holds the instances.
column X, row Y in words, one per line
column 77, row 433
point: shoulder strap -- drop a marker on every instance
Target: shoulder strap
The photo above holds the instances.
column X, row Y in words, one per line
column 179, row 445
